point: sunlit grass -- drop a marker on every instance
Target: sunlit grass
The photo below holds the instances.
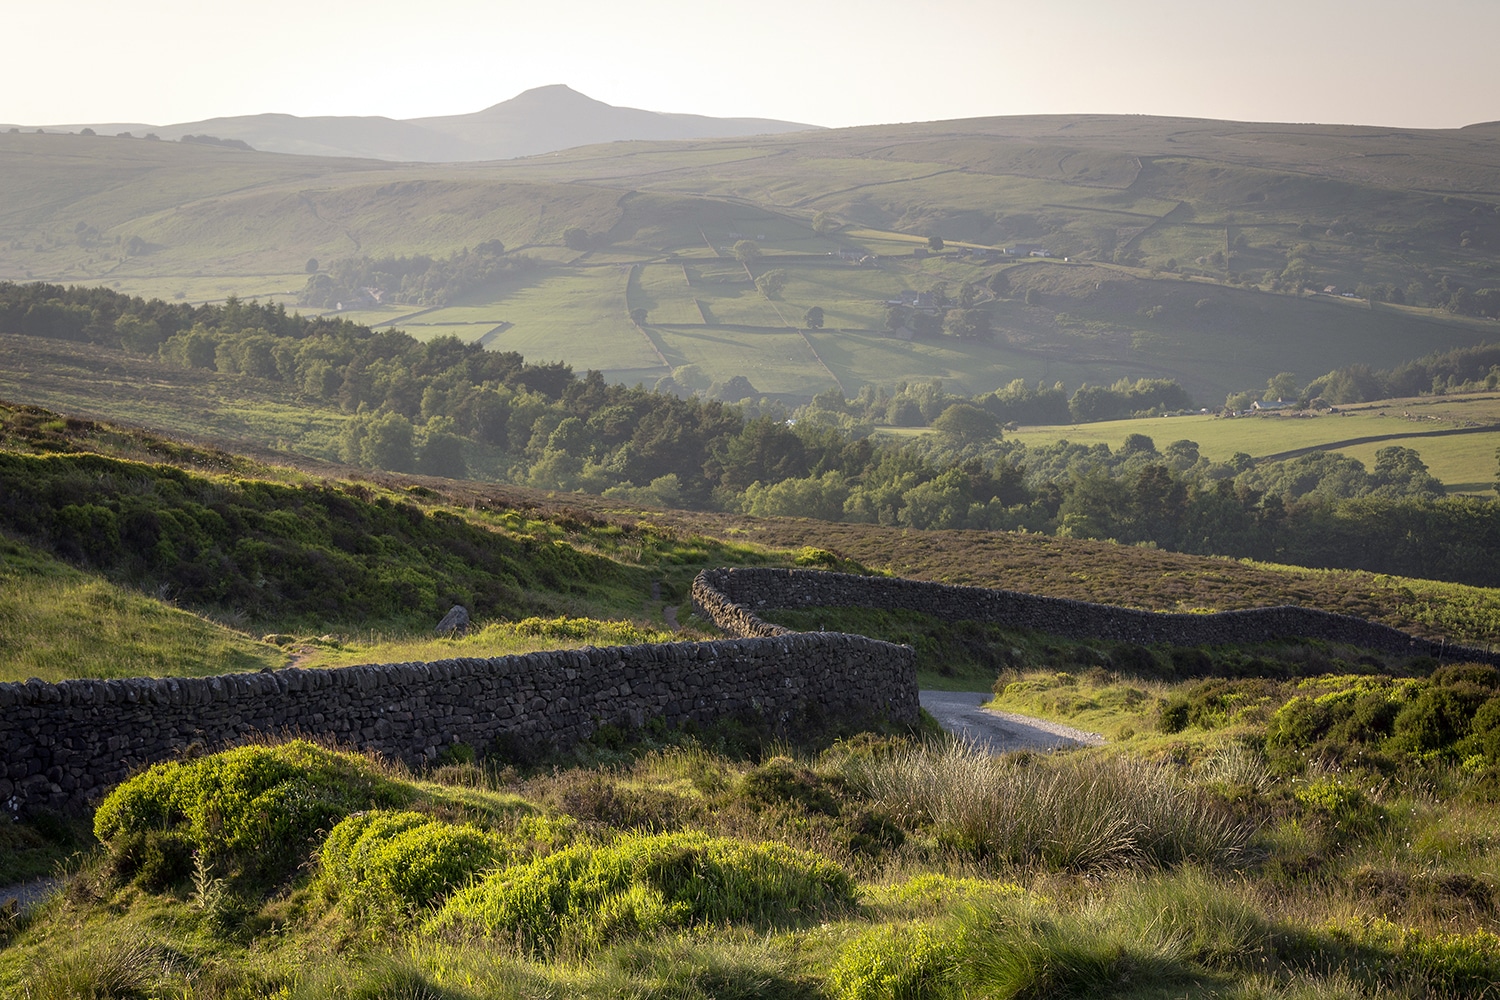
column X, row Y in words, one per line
column 495, row 639
column 57, row 623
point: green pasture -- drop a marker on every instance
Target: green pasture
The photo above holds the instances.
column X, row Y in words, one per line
column 577, row 317
column 663, row 291
column 195, row 288
column 861, row 357
column 466, row 332
column 1464, row 463
column 773, row 362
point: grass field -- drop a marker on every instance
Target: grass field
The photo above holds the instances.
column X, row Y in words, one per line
column 550, row 315
column 1464, row 462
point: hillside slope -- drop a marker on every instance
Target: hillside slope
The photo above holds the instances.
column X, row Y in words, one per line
column 1375, row 246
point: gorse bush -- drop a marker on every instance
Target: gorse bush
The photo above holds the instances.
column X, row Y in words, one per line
column 255, row 809
column 1452, row 715
column 587, row 894
column 393, row 863
column 1084, row 813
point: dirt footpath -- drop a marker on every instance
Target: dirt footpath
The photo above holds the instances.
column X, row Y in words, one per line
column 960, row 713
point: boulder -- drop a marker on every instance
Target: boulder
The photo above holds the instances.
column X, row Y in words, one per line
column 455, row 622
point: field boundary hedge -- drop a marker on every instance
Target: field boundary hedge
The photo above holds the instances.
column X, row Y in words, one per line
column 62, row 746
column 731, row 597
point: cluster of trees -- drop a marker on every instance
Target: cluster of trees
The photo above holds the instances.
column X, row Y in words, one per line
column 1463, row 369
column 418, row 280
column 919, row 404
column 445, row 406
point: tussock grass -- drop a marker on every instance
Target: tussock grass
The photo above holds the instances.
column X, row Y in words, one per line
column 1080, row 813
column 124, row 968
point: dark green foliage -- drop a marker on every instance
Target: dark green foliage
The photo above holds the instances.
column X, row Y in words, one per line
column 1451, row 715
column 309, row 553
column 781, row 782
column 155, row 860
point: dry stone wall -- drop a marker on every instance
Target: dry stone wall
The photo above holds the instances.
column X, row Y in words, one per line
column 730, row 598
column 63, row 745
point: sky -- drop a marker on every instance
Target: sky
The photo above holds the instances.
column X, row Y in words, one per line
column 823, row 62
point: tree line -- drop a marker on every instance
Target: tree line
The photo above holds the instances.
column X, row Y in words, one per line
column 449, row 408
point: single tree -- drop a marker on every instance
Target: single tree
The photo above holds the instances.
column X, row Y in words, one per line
column 746, row 250
column 964, row 424
column 814, row 318
column 638, row 316
column 771, row 283
column 1282, row 385
column 934, row 243
column 312, row 265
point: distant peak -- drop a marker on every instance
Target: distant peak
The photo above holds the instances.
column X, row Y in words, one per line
column 550, row 89
column 551, row 93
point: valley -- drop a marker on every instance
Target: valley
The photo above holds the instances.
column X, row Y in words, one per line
column 267, row 417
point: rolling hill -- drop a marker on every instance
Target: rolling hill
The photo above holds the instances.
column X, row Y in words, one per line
column 1214, row 253
column 539, row 120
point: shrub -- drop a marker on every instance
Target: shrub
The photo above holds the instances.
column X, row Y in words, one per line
column 1438, row 717
column 779, row 781
column 395, row 863
column 639, row 884
column 1174, row 715
column 255, row 809
column 1341, row 807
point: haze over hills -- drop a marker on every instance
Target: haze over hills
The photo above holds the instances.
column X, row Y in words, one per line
column 540, row 120
column 1213, row 253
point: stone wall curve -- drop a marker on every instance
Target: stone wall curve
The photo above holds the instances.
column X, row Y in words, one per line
column 730, row 597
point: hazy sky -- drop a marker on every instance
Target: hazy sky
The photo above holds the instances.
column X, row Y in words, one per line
column 827, row 62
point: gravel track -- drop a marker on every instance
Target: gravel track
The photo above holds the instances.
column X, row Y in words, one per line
column 960, row 713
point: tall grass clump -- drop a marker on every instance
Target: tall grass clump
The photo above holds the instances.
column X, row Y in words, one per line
column 1003, row 947
column 1075, row 813
column 124, row 968
column 587, row 894
column 252, row 811
column 394, row 863
column 1193, row 916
